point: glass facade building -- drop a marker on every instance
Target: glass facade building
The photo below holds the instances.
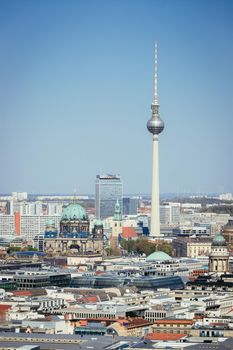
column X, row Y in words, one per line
column 130, row 205
column 108, row 189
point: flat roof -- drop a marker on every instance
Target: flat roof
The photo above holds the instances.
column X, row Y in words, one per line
column 61, row 341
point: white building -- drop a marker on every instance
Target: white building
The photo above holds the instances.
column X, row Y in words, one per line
column 29, row 225
column 32, row 225
column 170, row 213
column 54, row 208
column 19, row 196
column 226, row 197
column 7, row 225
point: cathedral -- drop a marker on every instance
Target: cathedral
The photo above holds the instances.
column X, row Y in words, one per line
column 74, row 236
column 219, row 256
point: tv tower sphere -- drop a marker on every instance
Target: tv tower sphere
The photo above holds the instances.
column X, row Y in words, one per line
column 155, row 124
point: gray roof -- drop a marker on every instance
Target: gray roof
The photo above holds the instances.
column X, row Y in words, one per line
column 55, row 341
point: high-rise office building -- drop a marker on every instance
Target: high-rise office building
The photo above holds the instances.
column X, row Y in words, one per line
column 170, row 213
column 130, row 205
column 155, row 125
column 108, row 190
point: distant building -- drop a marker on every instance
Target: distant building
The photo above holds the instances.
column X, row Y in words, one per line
column 108, row 189
column 226, row 197
column 7, row 225
column 26, row 226
column 19, row 196
column 170, row 213
column 192, row 230
column 130, row 205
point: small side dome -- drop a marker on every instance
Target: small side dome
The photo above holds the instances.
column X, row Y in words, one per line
column 218, row 240
column 50, row 222
column 98, row 222
column 158, row 256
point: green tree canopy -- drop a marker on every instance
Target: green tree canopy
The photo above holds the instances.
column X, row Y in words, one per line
column 143, row 246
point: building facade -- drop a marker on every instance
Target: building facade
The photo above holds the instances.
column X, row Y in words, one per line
column 74, row 237
column 191, row 247
column 219, row 256
column 170, row 213
column 130, row 205
column 108, row 189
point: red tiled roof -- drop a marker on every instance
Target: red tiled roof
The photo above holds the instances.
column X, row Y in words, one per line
column 4, row 308
column 24, row 293
column 88, row 300
column 164, row 336
column 128, row 232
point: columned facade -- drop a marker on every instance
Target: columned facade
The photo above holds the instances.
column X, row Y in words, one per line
column 219, row 256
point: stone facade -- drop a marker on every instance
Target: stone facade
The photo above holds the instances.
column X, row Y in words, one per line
column 191, row 247
column 74, row 237
column 219, row 256
column 66, row 246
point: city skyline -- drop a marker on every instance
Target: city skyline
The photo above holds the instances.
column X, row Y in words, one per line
column 76, row 88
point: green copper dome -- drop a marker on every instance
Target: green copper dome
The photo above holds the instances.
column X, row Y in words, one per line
column 98, row 222
column 74, row 211
column 219, row 240
column 158, row 256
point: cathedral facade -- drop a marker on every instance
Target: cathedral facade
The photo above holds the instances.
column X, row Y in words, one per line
column 74, row 237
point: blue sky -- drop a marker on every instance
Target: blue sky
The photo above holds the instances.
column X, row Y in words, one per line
column 76, row 85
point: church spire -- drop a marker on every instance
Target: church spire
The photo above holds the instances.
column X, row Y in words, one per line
column 117, row 213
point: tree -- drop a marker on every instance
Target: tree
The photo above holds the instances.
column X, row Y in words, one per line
column 143, row 246
column 13, row 249
column 30, row 248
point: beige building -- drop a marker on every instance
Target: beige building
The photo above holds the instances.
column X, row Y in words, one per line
column 198, row 247
column 173, row 326
column 191, row 247
column 137, row 327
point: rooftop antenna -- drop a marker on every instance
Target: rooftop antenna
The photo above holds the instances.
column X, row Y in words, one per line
column 155, row 102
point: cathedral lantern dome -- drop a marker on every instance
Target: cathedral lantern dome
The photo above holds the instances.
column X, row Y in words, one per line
column 98, row 222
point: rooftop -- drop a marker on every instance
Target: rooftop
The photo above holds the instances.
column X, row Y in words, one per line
column 164, row 336
column 174, row 321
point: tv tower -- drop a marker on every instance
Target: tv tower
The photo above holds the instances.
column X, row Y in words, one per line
column 155, row 125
